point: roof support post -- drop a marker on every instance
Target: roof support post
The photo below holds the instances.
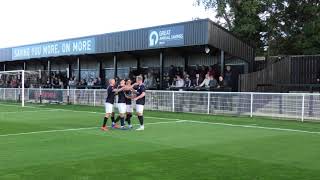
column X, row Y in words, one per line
column 24, row 65
column 161, row 70
column 115, row 65
column 222, row 63
column 138, row 64
column 186, row 62
column 79, row 69
column 69, row 72
column 49, row 70
column 100, row 68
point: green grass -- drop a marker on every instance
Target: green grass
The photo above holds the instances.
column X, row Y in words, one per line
column 167, row 149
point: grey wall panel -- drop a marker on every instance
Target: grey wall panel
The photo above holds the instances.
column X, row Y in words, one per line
column 203, row 59
column 150, row 61
column 173, row 60
column 304, row 69
column 220, row 38
column 89, row 64
column 127, row 62
column 195, row 33
column 58, row 66
column 34, row 66
column 5, row 54
column 107, row 62
column 14, row 66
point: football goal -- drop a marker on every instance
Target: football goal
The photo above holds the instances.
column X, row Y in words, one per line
column 13, row 84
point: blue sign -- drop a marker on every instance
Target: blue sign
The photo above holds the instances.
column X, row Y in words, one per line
column 59, row 48
column 167, row 36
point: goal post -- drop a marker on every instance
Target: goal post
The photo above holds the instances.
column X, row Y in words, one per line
column 15, row 82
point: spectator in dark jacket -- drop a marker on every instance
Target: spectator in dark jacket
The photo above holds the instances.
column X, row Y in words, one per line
column 213, row 82
column 228, row 76
column 221, row 83
column 197, row 81
column 187, row 81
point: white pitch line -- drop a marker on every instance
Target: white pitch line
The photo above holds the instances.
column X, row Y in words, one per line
column 14, row 112
column 48, row 131
column 205, row 122
column 256, row 127
column 75, row 129
column 18, row 106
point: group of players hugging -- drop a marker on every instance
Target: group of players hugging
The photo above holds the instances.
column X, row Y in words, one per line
column 126, row 92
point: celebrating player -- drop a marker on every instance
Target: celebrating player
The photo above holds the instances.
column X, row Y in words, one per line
column 140, row 100
column 121, row 102
column 128, row 94
column 111, row 90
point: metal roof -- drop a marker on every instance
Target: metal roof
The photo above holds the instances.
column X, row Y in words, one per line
column 191, row 33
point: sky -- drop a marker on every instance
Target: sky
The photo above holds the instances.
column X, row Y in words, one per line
column 33, row 21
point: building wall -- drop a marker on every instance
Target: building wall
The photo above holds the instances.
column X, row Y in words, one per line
column 203, row 59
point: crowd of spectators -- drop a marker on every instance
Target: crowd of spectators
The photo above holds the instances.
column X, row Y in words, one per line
column 10, row 83
column 93, row 83
column 199, row 78
column 175, row 78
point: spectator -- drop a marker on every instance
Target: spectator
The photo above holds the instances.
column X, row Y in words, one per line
column 91, row 82
column 179, row 82
column 72, row 82
column 187, row 81
column 173, row 84
column 99, row 82
column 166, row 82
column 211, row 71
column 14, row 83
column 1, row 83
column 213, row 82
column 48, row 84
column 61, row 85
column 221, row 83
column 185, row 74
column 205, row 82
column 152, row 82
column 147, row 82
column 172, row 72
column 228, row 76
column 83, row 83
column 203, row 72
column 55, row 82
column 197, row 81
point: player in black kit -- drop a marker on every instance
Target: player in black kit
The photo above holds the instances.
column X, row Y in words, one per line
column 129, row 108
column 121, row 102
column 140, row 100
column 111, row 90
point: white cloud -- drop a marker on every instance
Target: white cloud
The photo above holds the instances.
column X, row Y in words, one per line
column 32, row 21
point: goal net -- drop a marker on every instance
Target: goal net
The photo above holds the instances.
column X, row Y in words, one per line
column 13, row 84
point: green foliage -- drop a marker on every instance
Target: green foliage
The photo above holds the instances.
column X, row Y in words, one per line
column 277, row 26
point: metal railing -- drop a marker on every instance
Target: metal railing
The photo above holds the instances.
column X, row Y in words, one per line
column 298, row 106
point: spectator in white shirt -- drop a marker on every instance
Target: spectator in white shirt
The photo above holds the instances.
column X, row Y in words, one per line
column 179, row 82
column 205, row 82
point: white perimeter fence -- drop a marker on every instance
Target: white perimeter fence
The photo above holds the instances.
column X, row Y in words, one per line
column 299, row 106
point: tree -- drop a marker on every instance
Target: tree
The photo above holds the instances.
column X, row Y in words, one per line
column 240, row 17
column 273, row 26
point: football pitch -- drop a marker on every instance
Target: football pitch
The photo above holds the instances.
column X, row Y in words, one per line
column 65, row 142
